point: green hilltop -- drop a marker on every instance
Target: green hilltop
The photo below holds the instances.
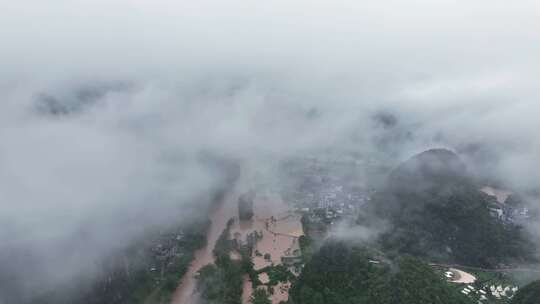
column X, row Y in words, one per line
column 435, row 210
column 341, row 274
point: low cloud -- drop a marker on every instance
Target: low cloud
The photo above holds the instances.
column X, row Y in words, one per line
column 106, row 106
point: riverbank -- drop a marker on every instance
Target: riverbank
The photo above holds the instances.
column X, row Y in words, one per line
column 220, row 213
column 278, row 230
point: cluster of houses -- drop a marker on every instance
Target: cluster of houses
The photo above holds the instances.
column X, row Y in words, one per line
column 157, row 255
column 322, row 184
column 167, row 245
column 489, row 292
column 483, row 295
column 507, row 213
column 505, row 205
column 164, row 249
column 503, row 292
column 324, row 195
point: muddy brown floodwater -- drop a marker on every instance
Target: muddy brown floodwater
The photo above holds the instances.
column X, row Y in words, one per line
column 219, row 215
column 280, row 229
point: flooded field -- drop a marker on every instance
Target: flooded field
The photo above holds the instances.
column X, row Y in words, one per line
column 279, row 228
column 247, row 290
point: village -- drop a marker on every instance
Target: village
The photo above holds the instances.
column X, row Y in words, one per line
column 150, row 269
column 318, row 195
column 327, row 191
column 271, row 222
column 504, row 206
column 493, row 290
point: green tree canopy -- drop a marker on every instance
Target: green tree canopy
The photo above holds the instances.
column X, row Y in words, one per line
column 341, row 274
column 530, row 294
column 260, row 296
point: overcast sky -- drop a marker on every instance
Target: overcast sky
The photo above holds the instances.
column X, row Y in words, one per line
column 106, row 105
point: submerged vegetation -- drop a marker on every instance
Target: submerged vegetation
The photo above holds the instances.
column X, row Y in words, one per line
column 221, row 282
column 260, row 296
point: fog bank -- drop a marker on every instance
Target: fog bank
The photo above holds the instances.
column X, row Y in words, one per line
column 107, row 106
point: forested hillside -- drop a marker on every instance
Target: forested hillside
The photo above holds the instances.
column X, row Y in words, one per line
column 435, row 210
column 340, row 274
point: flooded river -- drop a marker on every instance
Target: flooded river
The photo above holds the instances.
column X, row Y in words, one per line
column 279, row 227
column 219, row 215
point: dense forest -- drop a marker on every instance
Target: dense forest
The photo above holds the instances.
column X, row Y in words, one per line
column 341, row 274
column 436, row 210
column 221, row 283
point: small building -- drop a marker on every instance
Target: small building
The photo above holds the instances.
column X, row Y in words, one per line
column 291, row 260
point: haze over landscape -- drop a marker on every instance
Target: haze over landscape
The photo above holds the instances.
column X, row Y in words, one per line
column 123, row 119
